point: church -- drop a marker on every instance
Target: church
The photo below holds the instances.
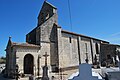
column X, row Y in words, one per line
column 65, row 49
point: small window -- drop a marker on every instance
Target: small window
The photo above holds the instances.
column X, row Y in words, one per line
column 97, row 48
column 86, row 47
column 70, row 39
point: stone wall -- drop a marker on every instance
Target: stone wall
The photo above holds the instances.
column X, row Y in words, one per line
column 21, row 52
column 47, row 11
column 10, row 59
column 85, row 50
column 31, row 37
column 68, row 56
column 108, row 52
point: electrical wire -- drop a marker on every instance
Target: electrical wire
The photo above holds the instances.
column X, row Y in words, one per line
column 70, row 15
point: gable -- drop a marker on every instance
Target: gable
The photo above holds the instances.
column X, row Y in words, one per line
column 47, row 11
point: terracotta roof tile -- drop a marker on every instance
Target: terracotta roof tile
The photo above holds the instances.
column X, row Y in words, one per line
column 24, row 44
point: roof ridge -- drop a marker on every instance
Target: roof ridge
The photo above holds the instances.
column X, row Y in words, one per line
column 24, row 44
column 50, row 4
column 82, row 35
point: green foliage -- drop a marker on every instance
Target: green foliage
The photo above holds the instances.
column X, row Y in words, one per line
column 2, row 60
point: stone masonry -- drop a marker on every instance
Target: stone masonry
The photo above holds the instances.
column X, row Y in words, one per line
column 66, row 49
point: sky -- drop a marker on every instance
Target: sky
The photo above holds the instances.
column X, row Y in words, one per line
column 96, row 18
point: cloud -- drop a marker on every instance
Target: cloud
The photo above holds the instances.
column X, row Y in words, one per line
column 115, row 34
column 114, row 38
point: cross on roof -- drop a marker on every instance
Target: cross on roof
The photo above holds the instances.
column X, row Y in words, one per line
column 46, row 55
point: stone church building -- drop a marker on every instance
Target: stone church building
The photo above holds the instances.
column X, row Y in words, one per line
column 66, row 49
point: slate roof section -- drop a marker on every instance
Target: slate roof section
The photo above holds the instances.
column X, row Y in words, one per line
column 50, row 4
column 68, row 32
column 24, row 45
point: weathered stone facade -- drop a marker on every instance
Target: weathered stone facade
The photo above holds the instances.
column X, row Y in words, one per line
column 109, row 54
column 66, row 49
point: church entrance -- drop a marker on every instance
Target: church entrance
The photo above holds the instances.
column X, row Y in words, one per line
column 28, row 64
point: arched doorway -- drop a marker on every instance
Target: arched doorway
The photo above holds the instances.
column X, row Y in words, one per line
column 28, row 64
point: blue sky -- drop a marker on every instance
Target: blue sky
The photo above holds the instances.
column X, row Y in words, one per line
column 95, row 18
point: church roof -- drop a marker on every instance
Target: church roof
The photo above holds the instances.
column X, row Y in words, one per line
column 64, row 31
column 50, row 4
column 24, row 44
column 117, row 45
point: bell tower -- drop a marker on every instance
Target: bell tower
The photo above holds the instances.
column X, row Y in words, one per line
column 47, row 11
column 46, row 19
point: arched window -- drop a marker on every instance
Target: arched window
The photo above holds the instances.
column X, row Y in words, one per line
column 47, row 15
